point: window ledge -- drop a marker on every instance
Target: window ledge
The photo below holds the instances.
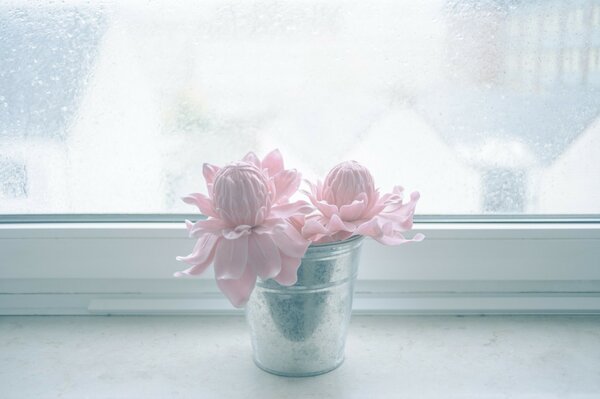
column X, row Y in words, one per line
column 210, row 357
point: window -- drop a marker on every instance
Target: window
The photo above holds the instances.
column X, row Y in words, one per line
column 485, row 107
column 490, row 108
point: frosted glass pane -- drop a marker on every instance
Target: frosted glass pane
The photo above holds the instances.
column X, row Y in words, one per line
column 486, row 107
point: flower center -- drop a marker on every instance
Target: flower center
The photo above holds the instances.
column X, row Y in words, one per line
column 241, row 194
column 346, row 181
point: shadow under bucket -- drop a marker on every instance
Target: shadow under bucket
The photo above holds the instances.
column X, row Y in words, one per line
column 300, row 330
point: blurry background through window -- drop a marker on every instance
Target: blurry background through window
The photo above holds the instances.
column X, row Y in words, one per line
column 486, row 107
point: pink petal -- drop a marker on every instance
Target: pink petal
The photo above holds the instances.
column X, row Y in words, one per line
column 298, row 222
column 260, row 215
column 328, row 210
column 319, row 189
column 202, row 251
column 313, row 189
column 198, row 268
column 271, row 226
column 386, row 232
column 342, row 235
column 290, row 242
column 286, row 184
column 273, row 162
column 396, row 196
column 203, row 203
column 212, row 226
column 398, row 190
column 209, row 171
column 237, row 232
column 401, row 221
column 290, row 209
column 371, row 228
column 313, row 227
column 375, row 209
column 238, row 291
column 231, row 258
column 252, row 158
column 336, row 224
column 355, row 210
column 263, row 256
column 397, row 238
column 373, row 197
column 315, row 197
column 402, row 214
column 289, row 270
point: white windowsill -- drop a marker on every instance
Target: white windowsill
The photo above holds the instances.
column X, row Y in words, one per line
column 386, row 356
column 469, row 268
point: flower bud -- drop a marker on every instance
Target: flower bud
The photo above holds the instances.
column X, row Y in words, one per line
column 241, row 194
column 345, row 182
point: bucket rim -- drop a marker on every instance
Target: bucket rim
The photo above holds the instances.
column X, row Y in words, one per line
column 336, row 243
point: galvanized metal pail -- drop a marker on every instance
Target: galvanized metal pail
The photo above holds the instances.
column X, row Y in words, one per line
column 300, row 331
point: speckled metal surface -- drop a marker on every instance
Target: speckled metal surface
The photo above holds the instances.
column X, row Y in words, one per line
column 301, row 330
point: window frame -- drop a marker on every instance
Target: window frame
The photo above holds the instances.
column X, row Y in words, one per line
column 508, row 267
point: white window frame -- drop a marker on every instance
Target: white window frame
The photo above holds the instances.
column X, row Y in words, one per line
column 461, row 268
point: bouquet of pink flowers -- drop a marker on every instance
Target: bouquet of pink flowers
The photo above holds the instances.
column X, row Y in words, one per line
column 253, row 229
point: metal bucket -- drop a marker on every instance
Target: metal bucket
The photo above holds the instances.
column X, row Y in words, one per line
column 300, row 331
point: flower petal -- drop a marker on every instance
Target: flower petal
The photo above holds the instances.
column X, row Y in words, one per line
column 328, row 210
column 197, row 269
column 237, row 232
column 231, row 258
column 313, row 227
column 273, row 162
column 371, row 228
column 313, row 188
column 315, row 197
column 342, row 235
column 271, row 226
column 397, row 238
column 402, row 214
column 253, row 159
column 211, row 226
column 204, row 204
column 355, row 210
column 238, row 291
column 375, row 209
column 290, row 209
column 386, row 232
column 203, row 250
column 289, row 270
column 336, row 224
column 297, row 221
column 286, row 184
column 290, row 242
column 209, row 171
column 263, row 256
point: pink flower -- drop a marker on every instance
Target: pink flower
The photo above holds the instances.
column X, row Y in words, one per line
column 248, row 231
column 348, row 204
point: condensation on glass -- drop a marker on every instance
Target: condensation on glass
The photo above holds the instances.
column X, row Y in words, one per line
column 486, row 107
